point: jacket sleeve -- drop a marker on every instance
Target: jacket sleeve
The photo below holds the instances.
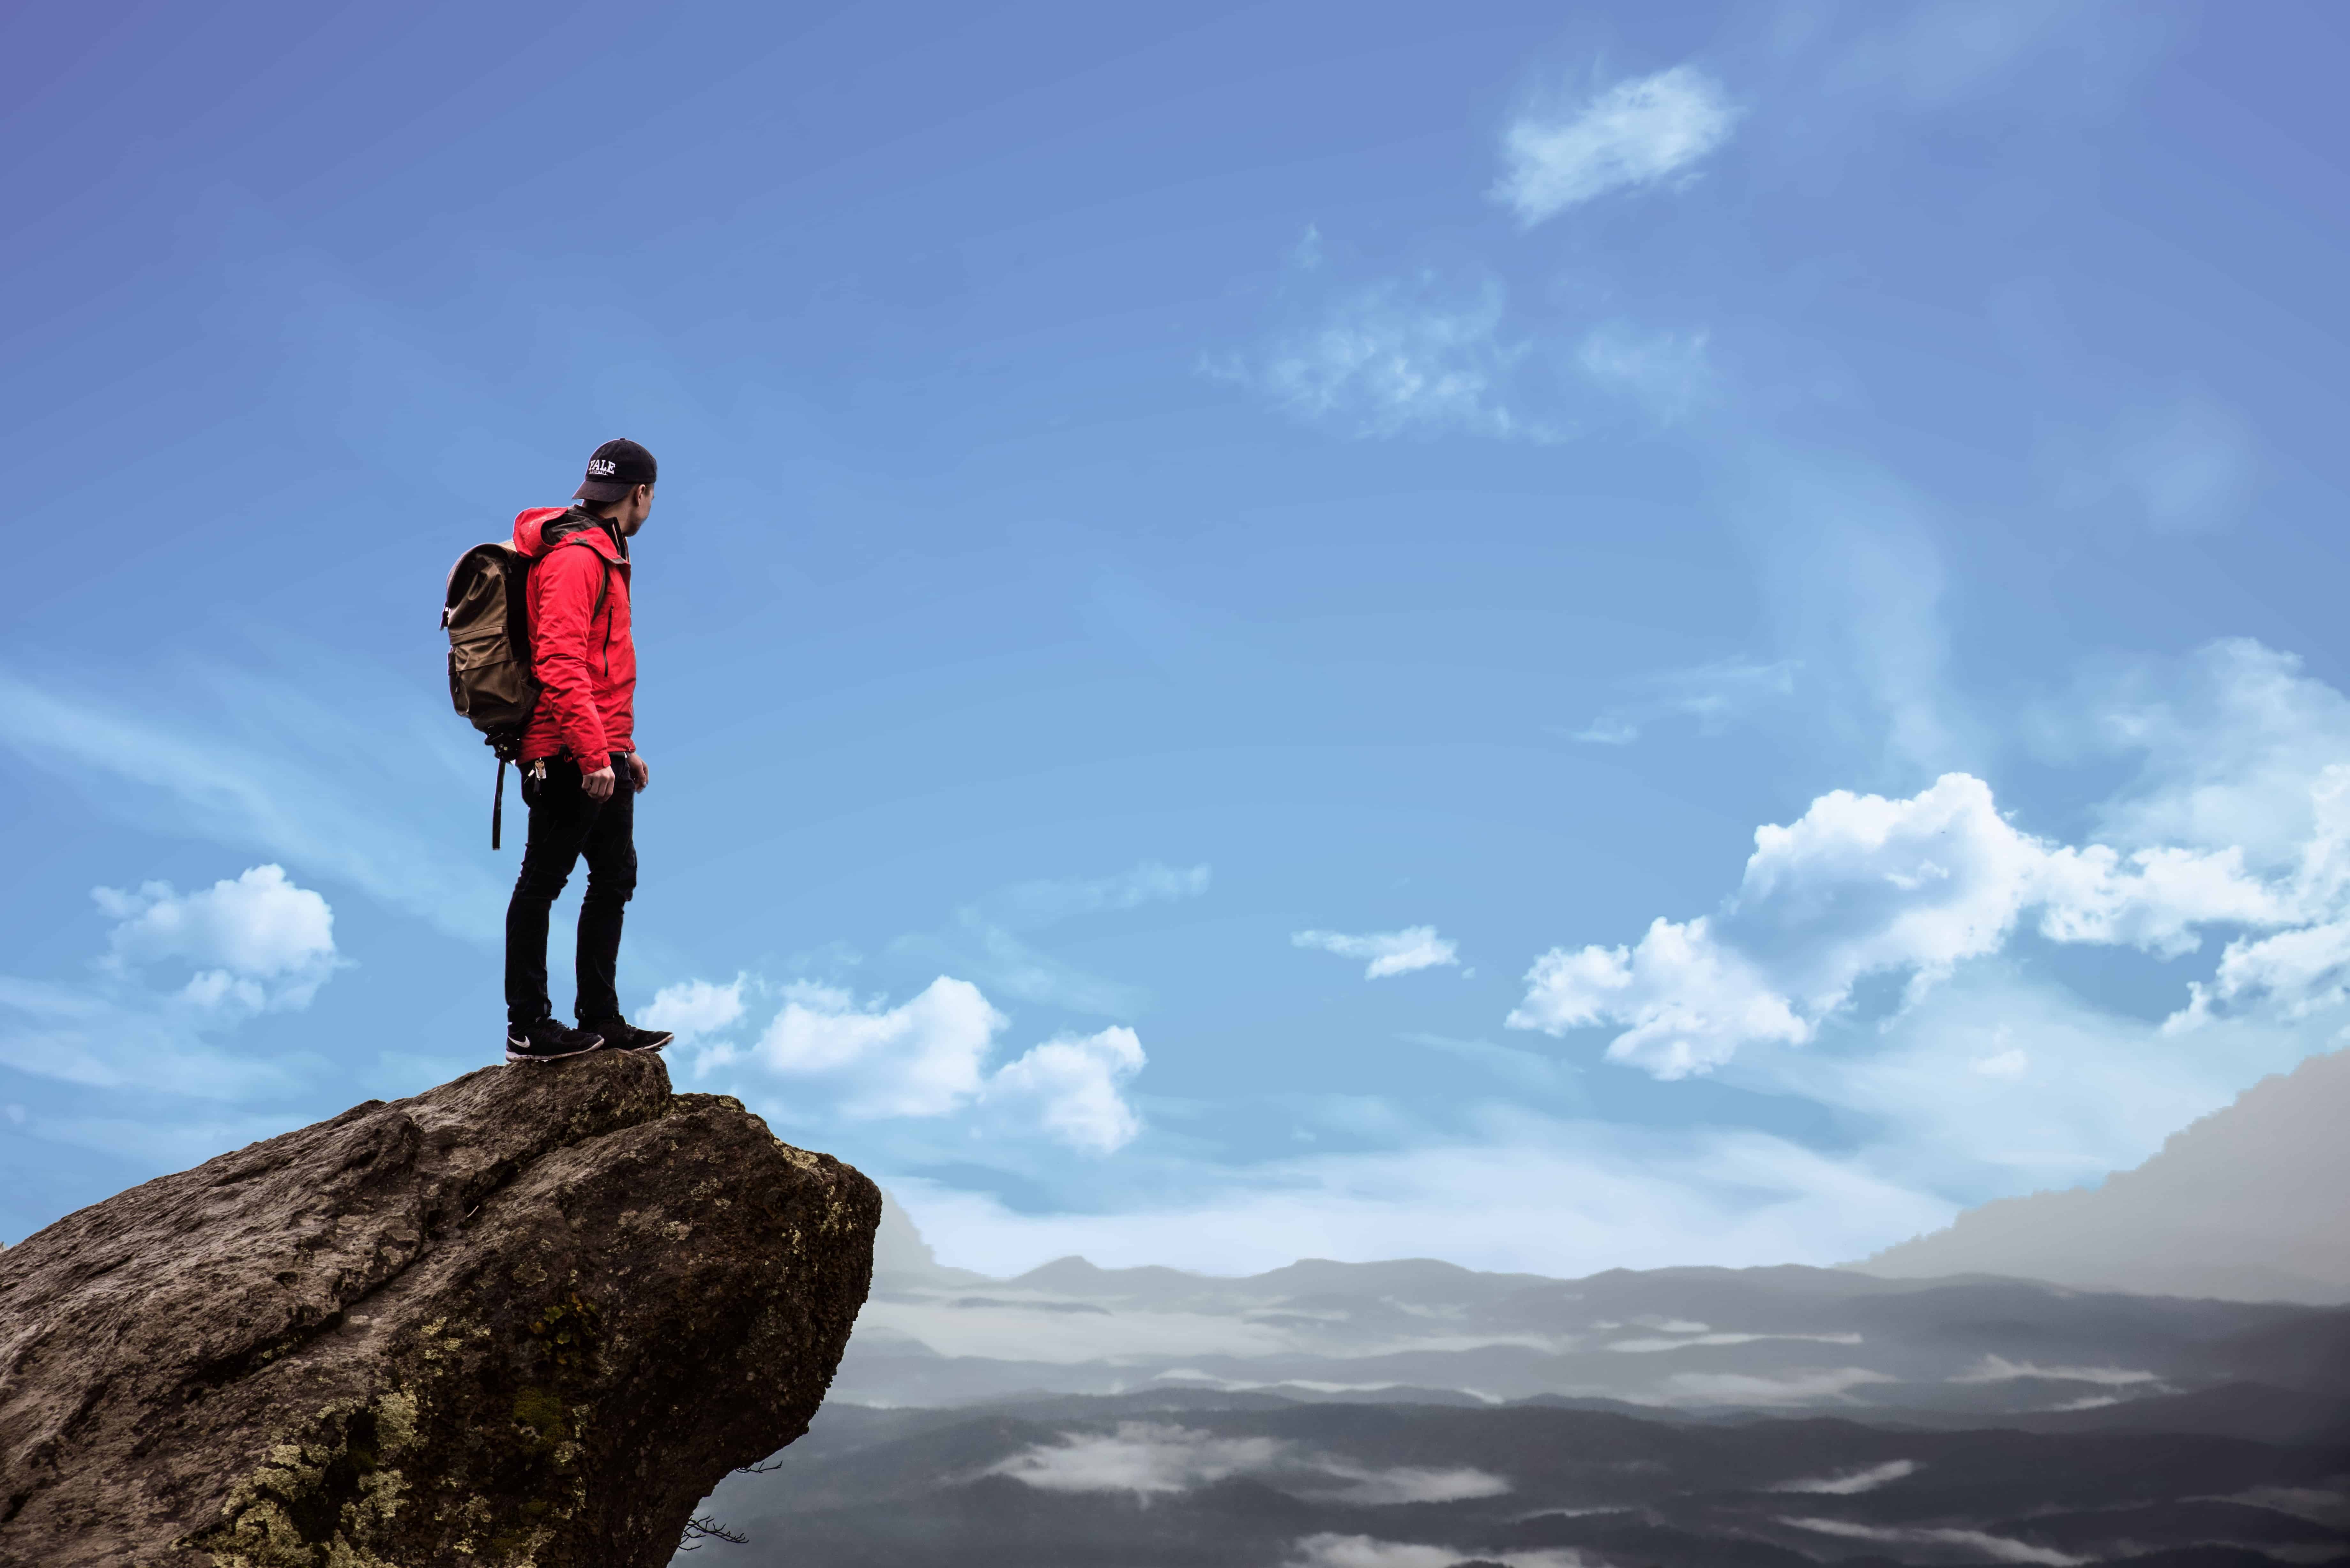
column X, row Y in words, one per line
column 564, row 586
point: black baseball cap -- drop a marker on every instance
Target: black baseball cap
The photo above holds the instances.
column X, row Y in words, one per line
column 614, row 469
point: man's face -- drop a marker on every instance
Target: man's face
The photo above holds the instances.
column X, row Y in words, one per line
column 637, row 506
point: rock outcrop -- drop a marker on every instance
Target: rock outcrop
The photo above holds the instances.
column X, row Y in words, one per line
column 527, row 1319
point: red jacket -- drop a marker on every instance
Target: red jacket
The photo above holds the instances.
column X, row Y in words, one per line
column 584, row 658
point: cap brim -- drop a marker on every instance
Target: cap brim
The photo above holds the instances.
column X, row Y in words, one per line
column 600, row 490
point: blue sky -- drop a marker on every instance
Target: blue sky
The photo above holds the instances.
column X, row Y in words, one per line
column 1553, row 637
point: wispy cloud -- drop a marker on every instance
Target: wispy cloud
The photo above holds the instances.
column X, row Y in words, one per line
column 1150, row 1459
column 1387, row 953
column 2185, row 465
column 992, row 937
column 1400, row 359
column 1997, row 1548
column 1713, row 694
column 1849, row 1483
column 1664, row 373
column 1636, row 134
column 258, row 763
column 1549, row 1195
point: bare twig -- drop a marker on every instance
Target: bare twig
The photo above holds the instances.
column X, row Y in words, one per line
column 702, row 1528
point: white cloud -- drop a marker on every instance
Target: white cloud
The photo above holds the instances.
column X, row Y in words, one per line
column 1691, row 1000
column 696, row 1008
column 1860, row 886
column 1333, row 1551
column 1141, row 1457
column 920, row 1058
column 927, row 1056
column 1653, row 1346
column 1152, row 1459
column 259, row 942
column 2233, row 743
column 2000, row 1369
column 1847, row 1483
column 1388, row 953
column 1635, row 133
column 1366, row 1488
column 1997, row 1548
column 1755, row 1390
column 1401, row 359
column 2008, row 1064
column 1071, row 1087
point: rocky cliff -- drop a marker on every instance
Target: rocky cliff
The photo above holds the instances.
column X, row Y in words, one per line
column 527, row 1319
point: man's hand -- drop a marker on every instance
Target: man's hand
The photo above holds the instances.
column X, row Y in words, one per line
column 598, row 785
column 637, row 771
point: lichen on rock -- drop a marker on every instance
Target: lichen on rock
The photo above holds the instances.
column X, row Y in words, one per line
column 526, row 1319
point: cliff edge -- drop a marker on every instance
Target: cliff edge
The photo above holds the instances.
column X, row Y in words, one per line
column 526, row 1319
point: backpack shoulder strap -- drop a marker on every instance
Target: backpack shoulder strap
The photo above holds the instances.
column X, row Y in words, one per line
column 603, row 586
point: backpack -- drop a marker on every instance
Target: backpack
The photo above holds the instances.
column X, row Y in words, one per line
column 486, row 612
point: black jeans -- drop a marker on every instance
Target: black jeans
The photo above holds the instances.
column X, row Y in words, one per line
column 564, row 825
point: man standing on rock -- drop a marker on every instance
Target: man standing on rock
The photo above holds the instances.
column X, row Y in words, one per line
column 580, row 771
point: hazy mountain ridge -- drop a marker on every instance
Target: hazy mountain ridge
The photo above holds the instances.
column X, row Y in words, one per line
column 2250, row 1203
column 1778, row 1338
column 1415, row 1413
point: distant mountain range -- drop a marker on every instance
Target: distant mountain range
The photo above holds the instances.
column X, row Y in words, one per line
column 2172, row 1400
column 2251, row 1203
column 1190, row 1480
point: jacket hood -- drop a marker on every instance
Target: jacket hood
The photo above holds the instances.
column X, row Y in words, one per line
column 530, row 535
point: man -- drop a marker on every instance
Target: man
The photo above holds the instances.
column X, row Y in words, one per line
column 580, row 773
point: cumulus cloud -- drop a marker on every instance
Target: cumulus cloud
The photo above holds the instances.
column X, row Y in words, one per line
column 696, row 1008
column 1861, row 885
column 1635, row 133
column 1401, row 358
column 1387, row 953
column 1073, row 1088
column 259, row 942
column 865, row 1058
column 920, row 1058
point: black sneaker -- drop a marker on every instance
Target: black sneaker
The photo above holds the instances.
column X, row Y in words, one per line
column 620, row 1035
column 548, row 1041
